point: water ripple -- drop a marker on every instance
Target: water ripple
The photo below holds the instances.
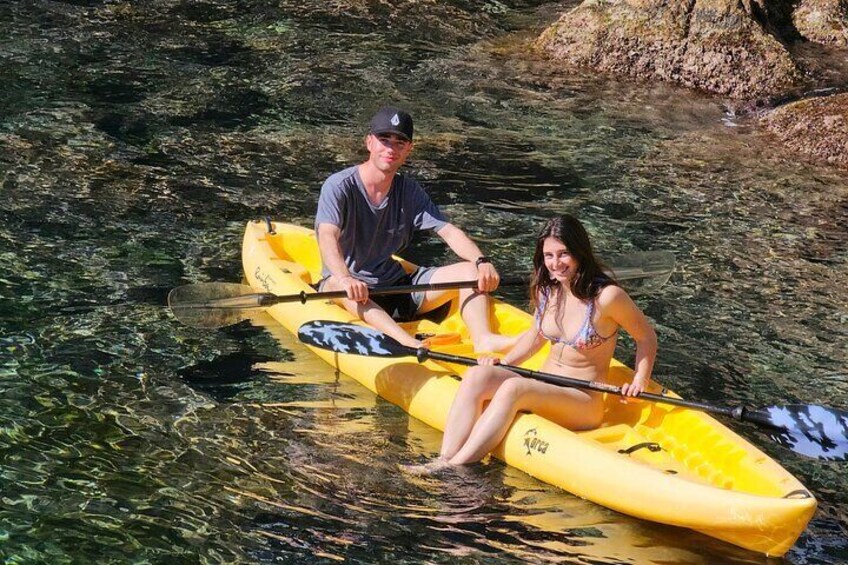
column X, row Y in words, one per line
column 135, row 142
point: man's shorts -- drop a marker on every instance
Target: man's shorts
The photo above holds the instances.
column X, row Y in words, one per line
column 402, row 307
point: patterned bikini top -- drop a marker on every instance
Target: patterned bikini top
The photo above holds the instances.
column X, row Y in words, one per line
column 586, row 337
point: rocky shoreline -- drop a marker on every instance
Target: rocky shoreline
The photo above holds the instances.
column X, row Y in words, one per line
column 740, row 50
column 817, row 128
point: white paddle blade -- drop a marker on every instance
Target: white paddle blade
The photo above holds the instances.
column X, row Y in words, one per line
column 212, row 305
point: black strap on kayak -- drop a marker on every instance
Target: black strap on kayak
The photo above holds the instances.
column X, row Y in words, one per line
column 269, row 226
column 800, row 493
column 649, row 445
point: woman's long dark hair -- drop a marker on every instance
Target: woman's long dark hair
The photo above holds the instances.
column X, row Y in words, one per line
column 590, row 277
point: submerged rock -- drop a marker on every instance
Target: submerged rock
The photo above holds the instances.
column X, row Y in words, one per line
column 823, row 21
column 720, row 46
column 817, row 128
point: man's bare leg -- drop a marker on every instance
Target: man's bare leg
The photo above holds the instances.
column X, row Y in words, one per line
column 474, row 306
column 374, row 316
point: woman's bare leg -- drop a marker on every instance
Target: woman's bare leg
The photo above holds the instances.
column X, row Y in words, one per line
column 568, row 407
column 478, row 386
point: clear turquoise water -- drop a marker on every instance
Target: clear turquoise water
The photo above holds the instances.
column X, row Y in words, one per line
column 136, row 139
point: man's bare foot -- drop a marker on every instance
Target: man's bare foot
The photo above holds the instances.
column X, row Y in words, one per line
column 412, row 342
column 495, row 343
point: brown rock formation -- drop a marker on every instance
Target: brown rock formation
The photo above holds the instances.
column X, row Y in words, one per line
column 817, row 128
column 720, row 46
column 823, row 21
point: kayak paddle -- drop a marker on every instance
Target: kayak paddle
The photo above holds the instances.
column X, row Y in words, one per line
column 214, row 305
column 811, row 430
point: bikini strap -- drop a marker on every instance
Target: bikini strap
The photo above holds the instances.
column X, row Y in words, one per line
column 540, row 310
column 590, row 312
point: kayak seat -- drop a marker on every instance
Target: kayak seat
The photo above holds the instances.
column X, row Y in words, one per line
column 632, row 443
column 690, row 463
column 436, row 315
column 607, row 434
column 295, row 269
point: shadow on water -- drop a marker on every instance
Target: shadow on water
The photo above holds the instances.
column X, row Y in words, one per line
column 223, row 377
column 137, row 139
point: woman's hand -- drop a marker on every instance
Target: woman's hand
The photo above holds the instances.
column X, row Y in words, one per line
column 488, row 360
column 636, row 387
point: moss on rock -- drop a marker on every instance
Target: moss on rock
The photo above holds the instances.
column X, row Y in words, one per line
column 817, row 128
column 823, row 21
column 713, row 45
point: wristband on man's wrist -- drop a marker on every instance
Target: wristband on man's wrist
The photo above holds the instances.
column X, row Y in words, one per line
column 481, row 259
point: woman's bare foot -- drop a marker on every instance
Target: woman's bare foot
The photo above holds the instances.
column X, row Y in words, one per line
column 428, row 468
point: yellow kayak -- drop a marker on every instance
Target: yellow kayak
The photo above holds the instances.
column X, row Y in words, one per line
column 668, row 464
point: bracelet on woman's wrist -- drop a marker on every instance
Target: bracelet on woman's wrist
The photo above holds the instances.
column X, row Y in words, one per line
column 480, row 260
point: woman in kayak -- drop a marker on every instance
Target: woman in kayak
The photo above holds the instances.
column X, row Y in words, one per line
column 579, row 310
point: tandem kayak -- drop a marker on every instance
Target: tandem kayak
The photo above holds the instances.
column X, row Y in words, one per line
column 667, row 464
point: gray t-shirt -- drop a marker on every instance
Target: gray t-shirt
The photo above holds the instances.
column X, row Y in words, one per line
column 370, row 234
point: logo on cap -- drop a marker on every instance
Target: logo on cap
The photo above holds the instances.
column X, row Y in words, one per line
column 392, row 120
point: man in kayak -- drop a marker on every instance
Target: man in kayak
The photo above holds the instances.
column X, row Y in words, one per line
column 369, row 212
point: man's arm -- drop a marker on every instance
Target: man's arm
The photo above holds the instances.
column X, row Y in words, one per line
column 331, row 255
column 487, row 276
column 459, row 243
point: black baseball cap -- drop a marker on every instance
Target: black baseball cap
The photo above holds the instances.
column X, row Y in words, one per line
column 392, row 120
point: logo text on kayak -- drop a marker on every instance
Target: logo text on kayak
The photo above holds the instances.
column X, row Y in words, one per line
column 532, row 442
column 265, row 280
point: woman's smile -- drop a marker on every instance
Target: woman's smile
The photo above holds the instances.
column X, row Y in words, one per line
column 560, row 263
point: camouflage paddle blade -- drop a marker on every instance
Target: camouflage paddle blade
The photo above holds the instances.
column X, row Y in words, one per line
column 814, row 431
column 350, row 339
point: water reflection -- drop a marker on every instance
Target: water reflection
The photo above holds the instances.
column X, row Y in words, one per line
column 136, row 140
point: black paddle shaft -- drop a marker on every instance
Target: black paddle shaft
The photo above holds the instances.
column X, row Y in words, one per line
column 814, row 431
column 302, row 297
column 350, row 338
column 738, row 413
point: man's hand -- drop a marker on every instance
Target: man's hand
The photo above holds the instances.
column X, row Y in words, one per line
column 356, row 289
column 488, row 278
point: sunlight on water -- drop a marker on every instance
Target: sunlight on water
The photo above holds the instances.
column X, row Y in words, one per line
column 135, row 142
